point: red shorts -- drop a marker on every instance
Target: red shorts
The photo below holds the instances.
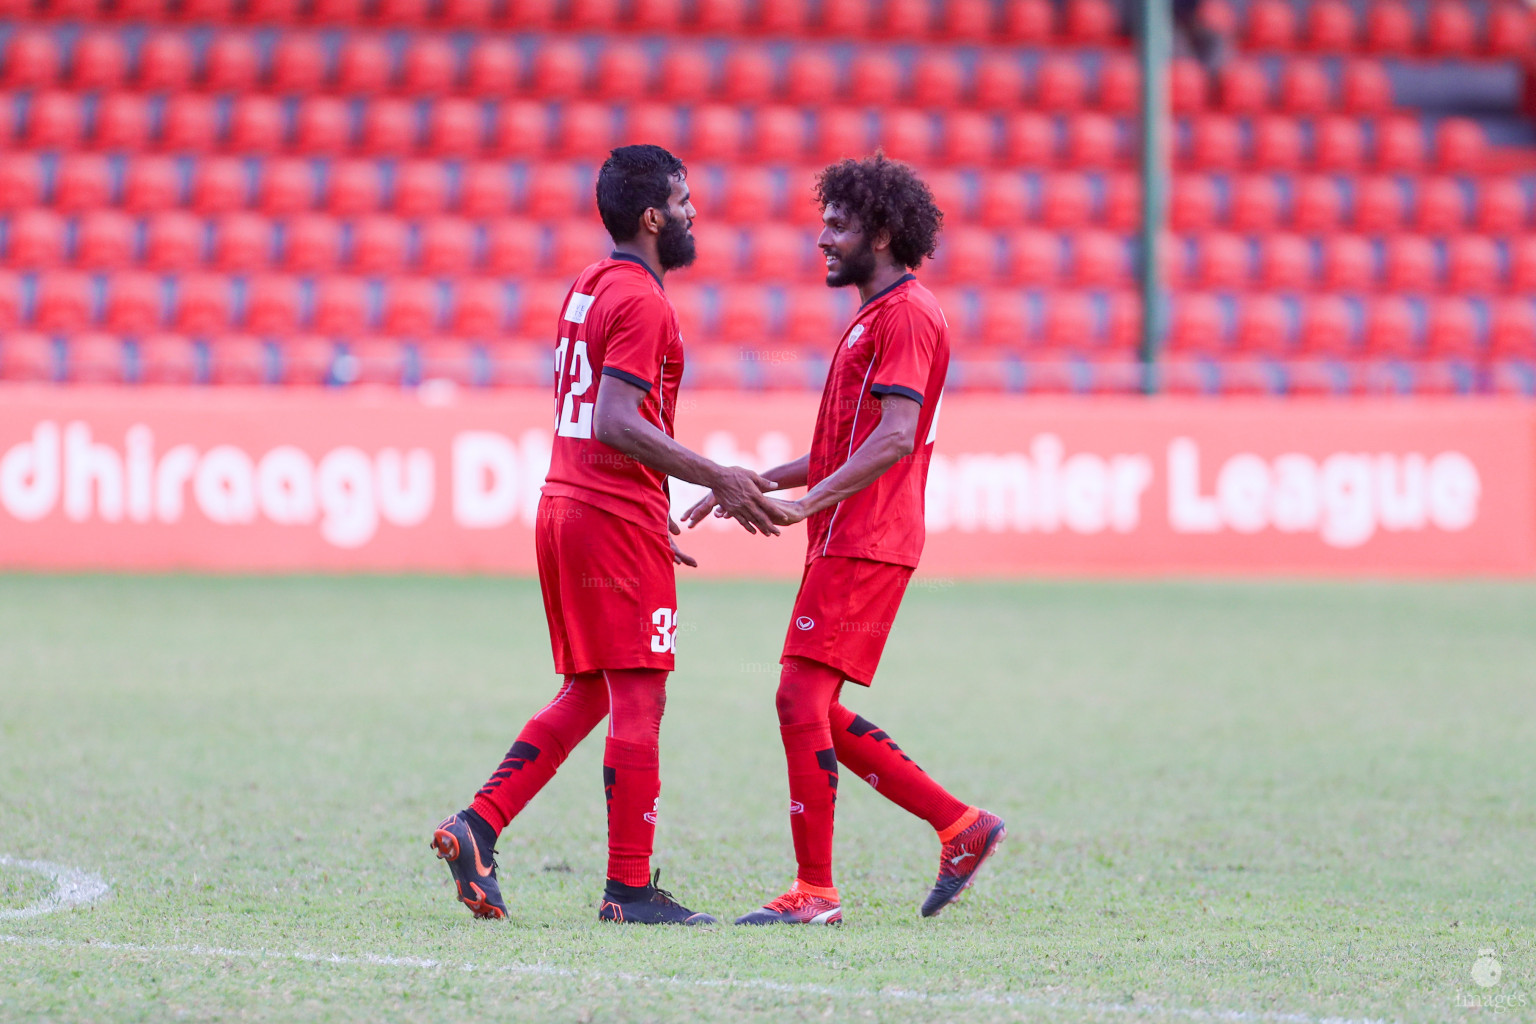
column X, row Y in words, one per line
column 610, row 592
column 844, row 612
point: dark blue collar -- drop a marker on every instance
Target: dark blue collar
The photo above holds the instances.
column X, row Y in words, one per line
column 903, row 279
column 616, row 255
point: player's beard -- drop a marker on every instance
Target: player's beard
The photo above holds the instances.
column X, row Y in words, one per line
column 855, row 268
column 674, row 245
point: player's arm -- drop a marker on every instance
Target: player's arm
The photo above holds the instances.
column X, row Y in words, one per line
column 791, row 474
column 894, row 438
column 619, row 424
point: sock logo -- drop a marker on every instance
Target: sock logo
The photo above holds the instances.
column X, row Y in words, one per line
column 805, row 622
column 650, row 816
column 521, row 753
column 796, row 807
column 873, row 780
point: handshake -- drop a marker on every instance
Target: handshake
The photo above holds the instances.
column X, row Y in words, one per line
column 740, row 494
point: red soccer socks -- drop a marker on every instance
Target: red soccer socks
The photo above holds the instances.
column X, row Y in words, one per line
column 812, row 765
column 870, row 752
column 631, row 784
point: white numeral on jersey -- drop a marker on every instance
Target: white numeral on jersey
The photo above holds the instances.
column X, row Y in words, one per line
column 665, row 621
column 575, row 417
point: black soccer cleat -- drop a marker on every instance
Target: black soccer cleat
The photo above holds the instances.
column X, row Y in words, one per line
column 645, row 904
column 961, row 858
column 473, row 868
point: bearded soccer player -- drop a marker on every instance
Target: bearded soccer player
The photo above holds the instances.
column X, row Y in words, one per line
column 866, row 471
column 605, row 557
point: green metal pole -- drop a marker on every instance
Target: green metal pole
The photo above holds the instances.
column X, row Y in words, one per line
column 1154, row 47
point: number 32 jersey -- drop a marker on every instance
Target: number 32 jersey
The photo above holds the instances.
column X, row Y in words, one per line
column 616, row 322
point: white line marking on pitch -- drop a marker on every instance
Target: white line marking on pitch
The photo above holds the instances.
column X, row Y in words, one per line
column 887, row 994
column 73, row 888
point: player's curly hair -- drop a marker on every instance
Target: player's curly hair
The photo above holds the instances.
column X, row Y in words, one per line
column 885, row 194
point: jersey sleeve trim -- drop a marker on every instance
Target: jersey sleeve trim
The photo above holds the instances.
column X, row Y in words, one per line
column 891, row 389
column 628, row 378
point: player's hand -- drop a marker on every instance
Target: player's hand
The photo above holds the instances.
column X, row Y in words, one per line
column 701, row 508
column 739, row 493
column 789, row 512
column 678, row 558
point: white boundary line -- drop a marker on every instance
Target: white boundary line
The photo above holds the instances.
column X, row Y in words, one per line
column 1146, row 1011
column 73, row 888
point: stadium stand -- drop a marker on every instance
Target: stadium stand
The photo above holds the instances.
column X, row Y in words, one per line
column 337, row 191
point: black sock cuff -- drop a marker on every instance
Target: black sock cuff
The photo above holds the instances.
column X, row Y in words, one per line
column 618, row 892
column 484, row 834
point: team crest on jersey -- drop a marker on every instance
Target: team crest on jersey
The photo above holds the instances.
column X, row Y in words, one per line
column 576, row 309
column 805, row 622
column 855, row 334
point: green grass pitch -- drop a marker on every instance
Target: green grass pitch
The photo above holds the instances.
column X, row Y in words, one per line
column 1227, row 802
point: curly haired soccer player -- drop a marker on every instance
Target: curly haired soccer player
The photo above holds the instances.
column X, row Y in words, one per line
column 866, row 471
column 606, row 560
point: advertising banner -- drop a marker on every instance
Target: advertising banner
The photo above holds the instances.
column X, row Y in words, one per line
column 274, row 480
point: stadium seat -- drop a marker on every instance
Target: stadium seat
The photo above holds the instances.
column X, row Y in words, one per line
column 447, row 246
column 55, row 120
column 1192, row 203
column 686, row 75
column 1028, row 21
column 1187, row 89
column 1365, row 88
column 1100, row 259
column 165, row 62
column 311, row 242
column 1338, row 144
column 1501, row 207
column 1452, row 329
column 539, row 302
column 1440, row 206
column 64, row 302
column 1399, row 144
column 1389, row 27
column 256, row 124
column 1222, row 262
column 429, row 67
column 1029, row 140
column 714, row 133
column 219, row 185
column 283, row 12
column 999, row 82
column 623, row 72
column 35, row 240
column 874, row 78
column 938, row 78
column 1195, row 325
column 1277, row 143
column 167, row 359
column 810, row 78
column 1068, row 321
column 1034, row 258
column 411, row 307
column 748, row 76
column 577, row 244
column 1060, row 83
column 231, row 63
column 92, row 357
column 32, row 60
column 1378, row 205
column 1507, row 31
column 1091, row 22
column 99, row 61
column 134, row 303
column 1271, row 25
column 322, row 126
column 967, row 139
column 122, row 122
column 493, row 69
column 906, row 135
column 1215, row 143
column 1522, row 264
column 968, row 255
column 1390, row 327
column 1472, row 265
column 521, row 129
column 285, row 185
column 104, row 240
column 237, row 359
column 26, row 356
column 1255, row 203
column 82, row 181
column 389, row 127
column 513, row 247
column 584, row 130
column 242, row 242
column 272, row 305
column 1305, row 88
column 478, row 14
column 1411, row 265
column 485, row 190
column 353, row 187
column 558, row 70
column 21, row 182
column 780, row 252
column 421, row 188
column 455, row 128
column 748, row 196
column 1093, row 141
column 1449, row 29
column 189, row 124
column 203, row 304
column 298, row 64
column 654, row 123
column 1460, row 145
column 784, row 17
column 1119, row 81
column 1349, row 264
column 1331, row 26
column 1263, row 326
column 10, row 305
column 364, row 66
column 341, row 307
column 151, row 183
column 1243, row 87
column 1122, row 202
column 745, row 312
column 479, row 308
column 1327, row 327
column 1066, row 201
column 1512, row 328
column 380, row 245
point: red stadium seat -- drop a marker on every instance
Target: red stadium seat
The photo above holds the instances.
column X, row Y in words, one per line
column 1060, row 83
column 256, row 124
column 1222, row 262
column 411, row 307
column 284, row 12
column 151, row 183
column 1331, row 26
column 1378, row 205
column 810, row 78
column 749, row 196
column 1440, row 206
column 1327, row 327
column 1522, row 264
column 403, row 13
column 306, row 359
column 1365, row 88
column 167, row 359
column 968, row 256
column 715, row 133
column 1277, row 143
column 1338, row 144
column 623, row 72
column 190, row 124
column 492, row 68
column 521, row 130
column 1263, row 327
column 430, row 67
column 850, row 19
column 421, row 188
column 63, row 302
column 906, row 135
column 938, row 78
column 1399, row 144
column 550, row 192
column 1508, row 30
column 353, row 187
column 1066, row 200
column 104, row 240
column 1195, row 326
column 322, row 126
column 513, row 247
column 1459, row 145
column 311, row 242
column 559, row 70
column 1501, row 206
column 298, row 63
column 1187, row 87
column 242, row 242
column 26, row 355
column 718, row 17
column 285, row 186
column 841, row 132
column 447, row 246
column 10, row 301
column 968, row 21
column 686, row 75
column 539, row 303
column 479, row 308
column 1411, row 264
column 950, row 195
column 1029, row 139
column 874, row 78
column 485, row 190
column 231, row 63
column 100, row 61
column 364, row 66
column 82, row 181
column 1004, row 200
column 1093, row 141
column 1512, row 328
column 1068, row 321
column 1100, row 259
column 203, row 304
column 122, row 122
column 1305, row 88
column 35, row 240
column 1453, row 329
column 55, row 120
column 778, row 252
column 999, row 82
column 1449, row 29
column 777, row 133
column 165, row 62
column 1005, row 320
column 1119, row 84
column 655, row 123
column 1216, row 143
column 748, row 76
column 1271, row 25
column 1389, row 27
column 1244, row 87
column 1122, row 202
column 577, row 244
column 967, row 139
column 94, row 358
column 1349, row 264
column 809, row 315
column 21, row 182
column 134, row 303
column 744, row 314
column 1192, row 203
column 389, row 127
column 272, row 305
column 379, row 244
column 237, row 359
column 1034, row 258
column 1472, row 265
column 218, row 185
column 1090, row 21
column 341, row 307
column 1255, row 204
column 32, row 60
column 1028, row 21
column 1285, row 262
column 1389, row 327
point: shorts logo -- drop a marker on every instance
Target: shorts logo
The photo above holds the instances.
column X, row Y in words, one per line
column 855, row 334
column 796, row 807
column 805, row 622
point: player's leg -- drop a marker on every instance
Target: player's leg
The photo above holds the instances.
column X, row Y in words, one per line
column 467, row 840
column 632, row 786
column 807, row 690
column 968, row 834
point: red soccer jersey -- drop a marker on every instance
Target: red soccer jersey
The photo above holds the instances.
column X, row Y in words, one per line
column 898, row 344
column 616, row 322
